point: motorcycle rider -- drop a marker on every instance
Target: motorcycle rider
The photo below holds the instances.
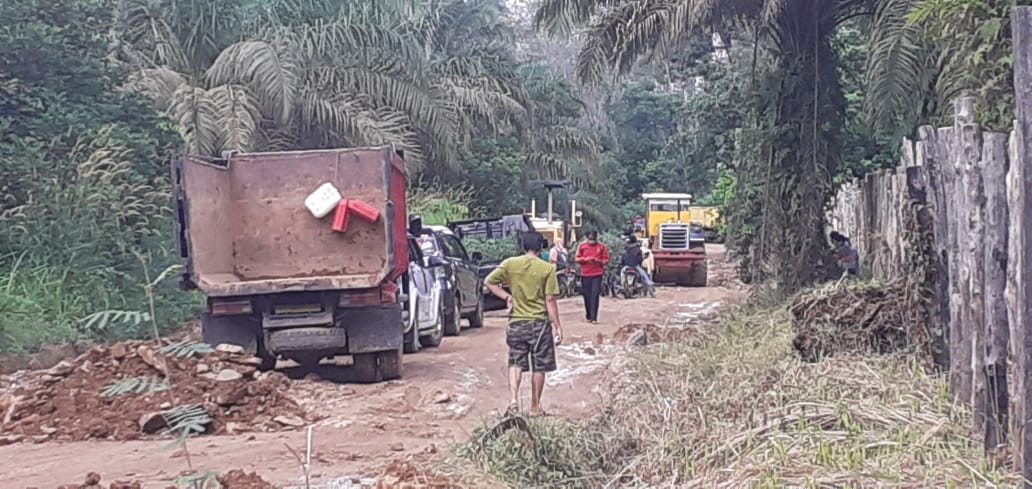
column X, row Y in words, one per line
column 633, row 258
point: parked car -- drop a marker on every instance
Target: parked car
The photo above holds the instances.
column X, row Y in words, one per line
column 424, row 325
column 457, row 275
column 509, row 228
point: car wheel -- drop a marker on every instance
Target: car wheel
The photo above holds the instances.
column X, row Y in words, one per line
column 434, row 338
column 477, row 319
column 453, row 319
column 411, row 342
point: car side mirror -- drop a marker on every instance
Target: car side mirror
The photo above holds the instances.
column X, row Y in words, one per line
column 477, row 257
column 434, row 261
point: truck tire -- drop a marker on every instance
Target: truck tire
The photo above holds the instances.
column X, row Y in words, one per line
column 453, row 319
column 698, row 274
column 268, row 359
column 476, row 320
column 378, row 366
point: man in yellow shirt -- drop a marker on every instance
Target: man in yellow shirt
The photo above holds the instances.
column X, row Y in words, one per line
column 533, row 312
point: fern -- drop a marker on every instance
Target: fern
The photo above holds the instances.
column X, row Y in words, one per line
column 186, row 349
column 185, row 421
column 199, row 480
column 101, row 321
column 135, row 385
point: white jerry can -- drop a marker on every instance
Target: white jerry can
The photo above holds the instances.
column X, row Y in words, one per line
column 323, row 201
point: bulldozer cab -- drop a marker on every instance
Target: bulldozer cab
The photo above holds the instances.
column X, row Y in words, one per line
column 665, row 209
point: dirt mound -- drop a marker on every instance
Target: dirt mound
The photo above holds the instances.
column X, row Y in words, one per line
column 404, row 475
column 93, row 482
column 859, row 317
column 643, row 334
column 238, row 479
column 119, row 392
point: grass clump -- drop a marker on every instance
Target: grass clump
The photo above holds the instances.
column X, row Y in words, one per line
column 735, row 407
column 538, row 452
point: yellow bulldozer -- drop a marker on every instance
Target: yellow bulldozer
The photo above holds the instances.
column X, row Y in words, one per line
column 678, row 246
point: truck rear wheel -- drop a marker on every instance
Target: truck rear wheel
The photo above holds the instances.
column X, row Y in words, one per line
column 378, row 366
column 698, row 275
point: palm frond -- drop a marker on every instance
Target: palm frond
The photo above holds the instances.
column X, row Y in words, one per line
column 159, row 84
column 268, row 71
column 896, row 66
column 238, row 117
column 192, row 108
column 562, row 17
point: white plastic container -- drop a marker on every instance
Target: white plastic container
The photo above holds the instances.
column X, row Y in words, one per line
column 323, row 201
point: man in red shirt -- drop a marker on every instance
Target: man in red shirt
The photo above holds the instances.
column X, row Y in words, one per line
column 593, row 257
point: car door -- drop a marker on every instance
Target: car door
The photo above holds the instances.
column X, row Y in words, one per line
column 421, row 278
column 466, row 274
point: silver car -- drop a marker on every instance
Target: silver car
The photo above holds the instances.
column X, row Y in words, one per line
column 424, row 326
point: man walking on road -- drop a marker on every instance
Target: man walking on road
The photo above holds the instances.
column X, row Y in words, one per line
column 533, row 312
column 593, row 257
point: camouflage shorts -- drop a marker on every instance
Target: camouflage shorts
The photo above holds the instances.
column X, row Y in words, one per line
column 531, row 345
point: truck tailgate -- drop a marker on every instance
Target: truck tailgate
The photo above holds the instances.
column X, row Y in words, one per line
column 244, row 228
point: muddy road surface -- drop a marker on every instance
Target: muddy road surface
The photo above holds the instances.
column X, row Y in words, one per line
column 444, row 394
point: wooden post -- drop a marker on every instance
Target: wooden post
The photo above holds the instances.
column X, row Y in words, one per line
column 971, row 241
column 932, row 159
column 1021, row 21
column 994, row 170
column 965, row 154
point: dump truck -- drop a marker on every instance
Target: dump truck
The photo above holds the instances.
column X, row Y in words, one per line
column 282, row 283
column 678, row 249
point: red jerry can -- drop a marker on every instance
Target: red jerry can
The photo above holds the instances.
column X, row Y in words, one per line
column 363, row 210
column 341, row 216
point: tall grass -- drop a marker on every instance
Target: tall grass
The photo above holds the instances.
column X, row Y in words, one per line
column 71, row 233
column 736, row 408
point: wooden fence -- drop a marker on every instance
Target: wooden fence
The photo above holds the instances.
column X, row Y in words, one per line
column 959, row 203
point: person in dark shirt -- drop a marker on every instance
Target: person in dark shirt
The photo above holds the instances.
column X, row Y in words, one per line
column 633, row 258
column 846, row 256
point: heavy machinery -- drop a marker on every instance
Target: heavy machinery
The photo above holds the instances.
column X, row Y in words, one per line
column 707, row 218
column 679, row 253
column 551, row 227
column 281, row 282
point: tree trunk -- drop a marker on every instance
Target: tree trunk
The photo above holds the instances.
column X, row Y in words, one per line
column 1021, row 248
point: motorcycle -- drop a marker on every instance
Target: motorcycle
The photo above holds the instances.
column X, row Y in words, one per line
column 569, row 282
column 631, row 284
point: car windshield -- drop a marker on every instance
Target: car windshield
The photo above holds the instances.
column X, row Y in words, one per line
column 429, row 245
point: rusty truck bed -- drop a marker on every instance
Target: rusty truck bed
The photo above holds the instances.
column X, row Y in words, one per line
column 244, row 228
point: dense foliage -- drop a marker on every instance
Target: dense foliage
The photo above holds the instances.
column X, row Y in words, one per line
column 84, row 186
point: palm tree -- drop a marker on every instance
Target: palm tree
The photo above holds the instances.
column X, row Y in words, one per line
column 789, row 152
column 361, row 77
column 925, row 53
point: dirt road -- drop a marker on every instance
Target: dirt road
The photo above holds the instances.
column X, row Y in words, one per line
column 445, row 392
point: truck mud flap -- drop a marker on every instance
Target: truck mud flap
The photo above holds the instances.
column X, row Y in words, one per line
column 317, row 338
column 372, row 329
column 242, row 331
